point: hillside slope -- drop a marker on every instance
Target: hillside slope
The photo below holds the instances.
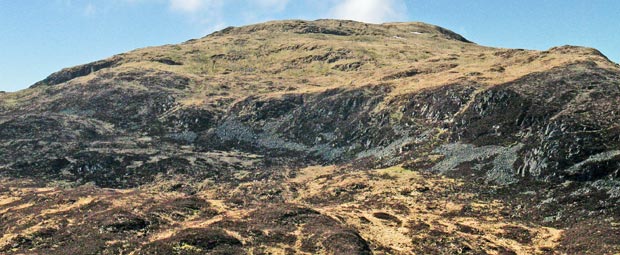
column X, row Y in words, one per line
column 316, row 137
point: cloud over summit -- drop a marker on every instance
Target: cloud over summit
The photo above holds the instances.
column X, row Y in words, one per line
column 372, row 11
column 186, row 5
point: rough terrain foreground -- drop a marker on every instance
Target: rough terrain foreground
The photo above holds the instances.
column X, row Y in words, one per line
column 323, row 137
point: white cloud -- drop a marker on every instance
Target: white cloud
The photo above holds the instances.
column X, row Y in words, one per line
column 215, row 14
column 373, row 11
column 187, row 5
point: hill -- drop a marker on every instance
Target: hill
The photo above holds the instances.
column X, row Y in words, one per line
column 327, row 136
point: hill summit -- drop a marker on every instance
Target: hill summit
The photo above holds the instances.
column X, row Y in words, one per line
column 316, row 137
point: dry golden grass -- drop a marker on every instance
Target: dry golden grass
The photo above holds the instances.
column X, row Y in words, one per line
column 272, row 58
column 413, row 199
column 390, row 207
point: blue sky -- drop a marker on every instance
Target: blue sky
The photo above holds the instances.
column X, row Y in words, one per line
column 39, row 37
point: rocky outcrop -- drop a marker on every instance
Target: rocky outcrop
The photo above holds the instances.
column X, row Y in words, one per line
column 338, row 28
column 547, row 113
column 78, row 71
column 545, row 125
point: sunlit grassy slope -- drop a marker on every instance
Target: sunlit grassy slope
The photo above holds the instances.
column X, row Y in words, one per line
column 285, row 56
